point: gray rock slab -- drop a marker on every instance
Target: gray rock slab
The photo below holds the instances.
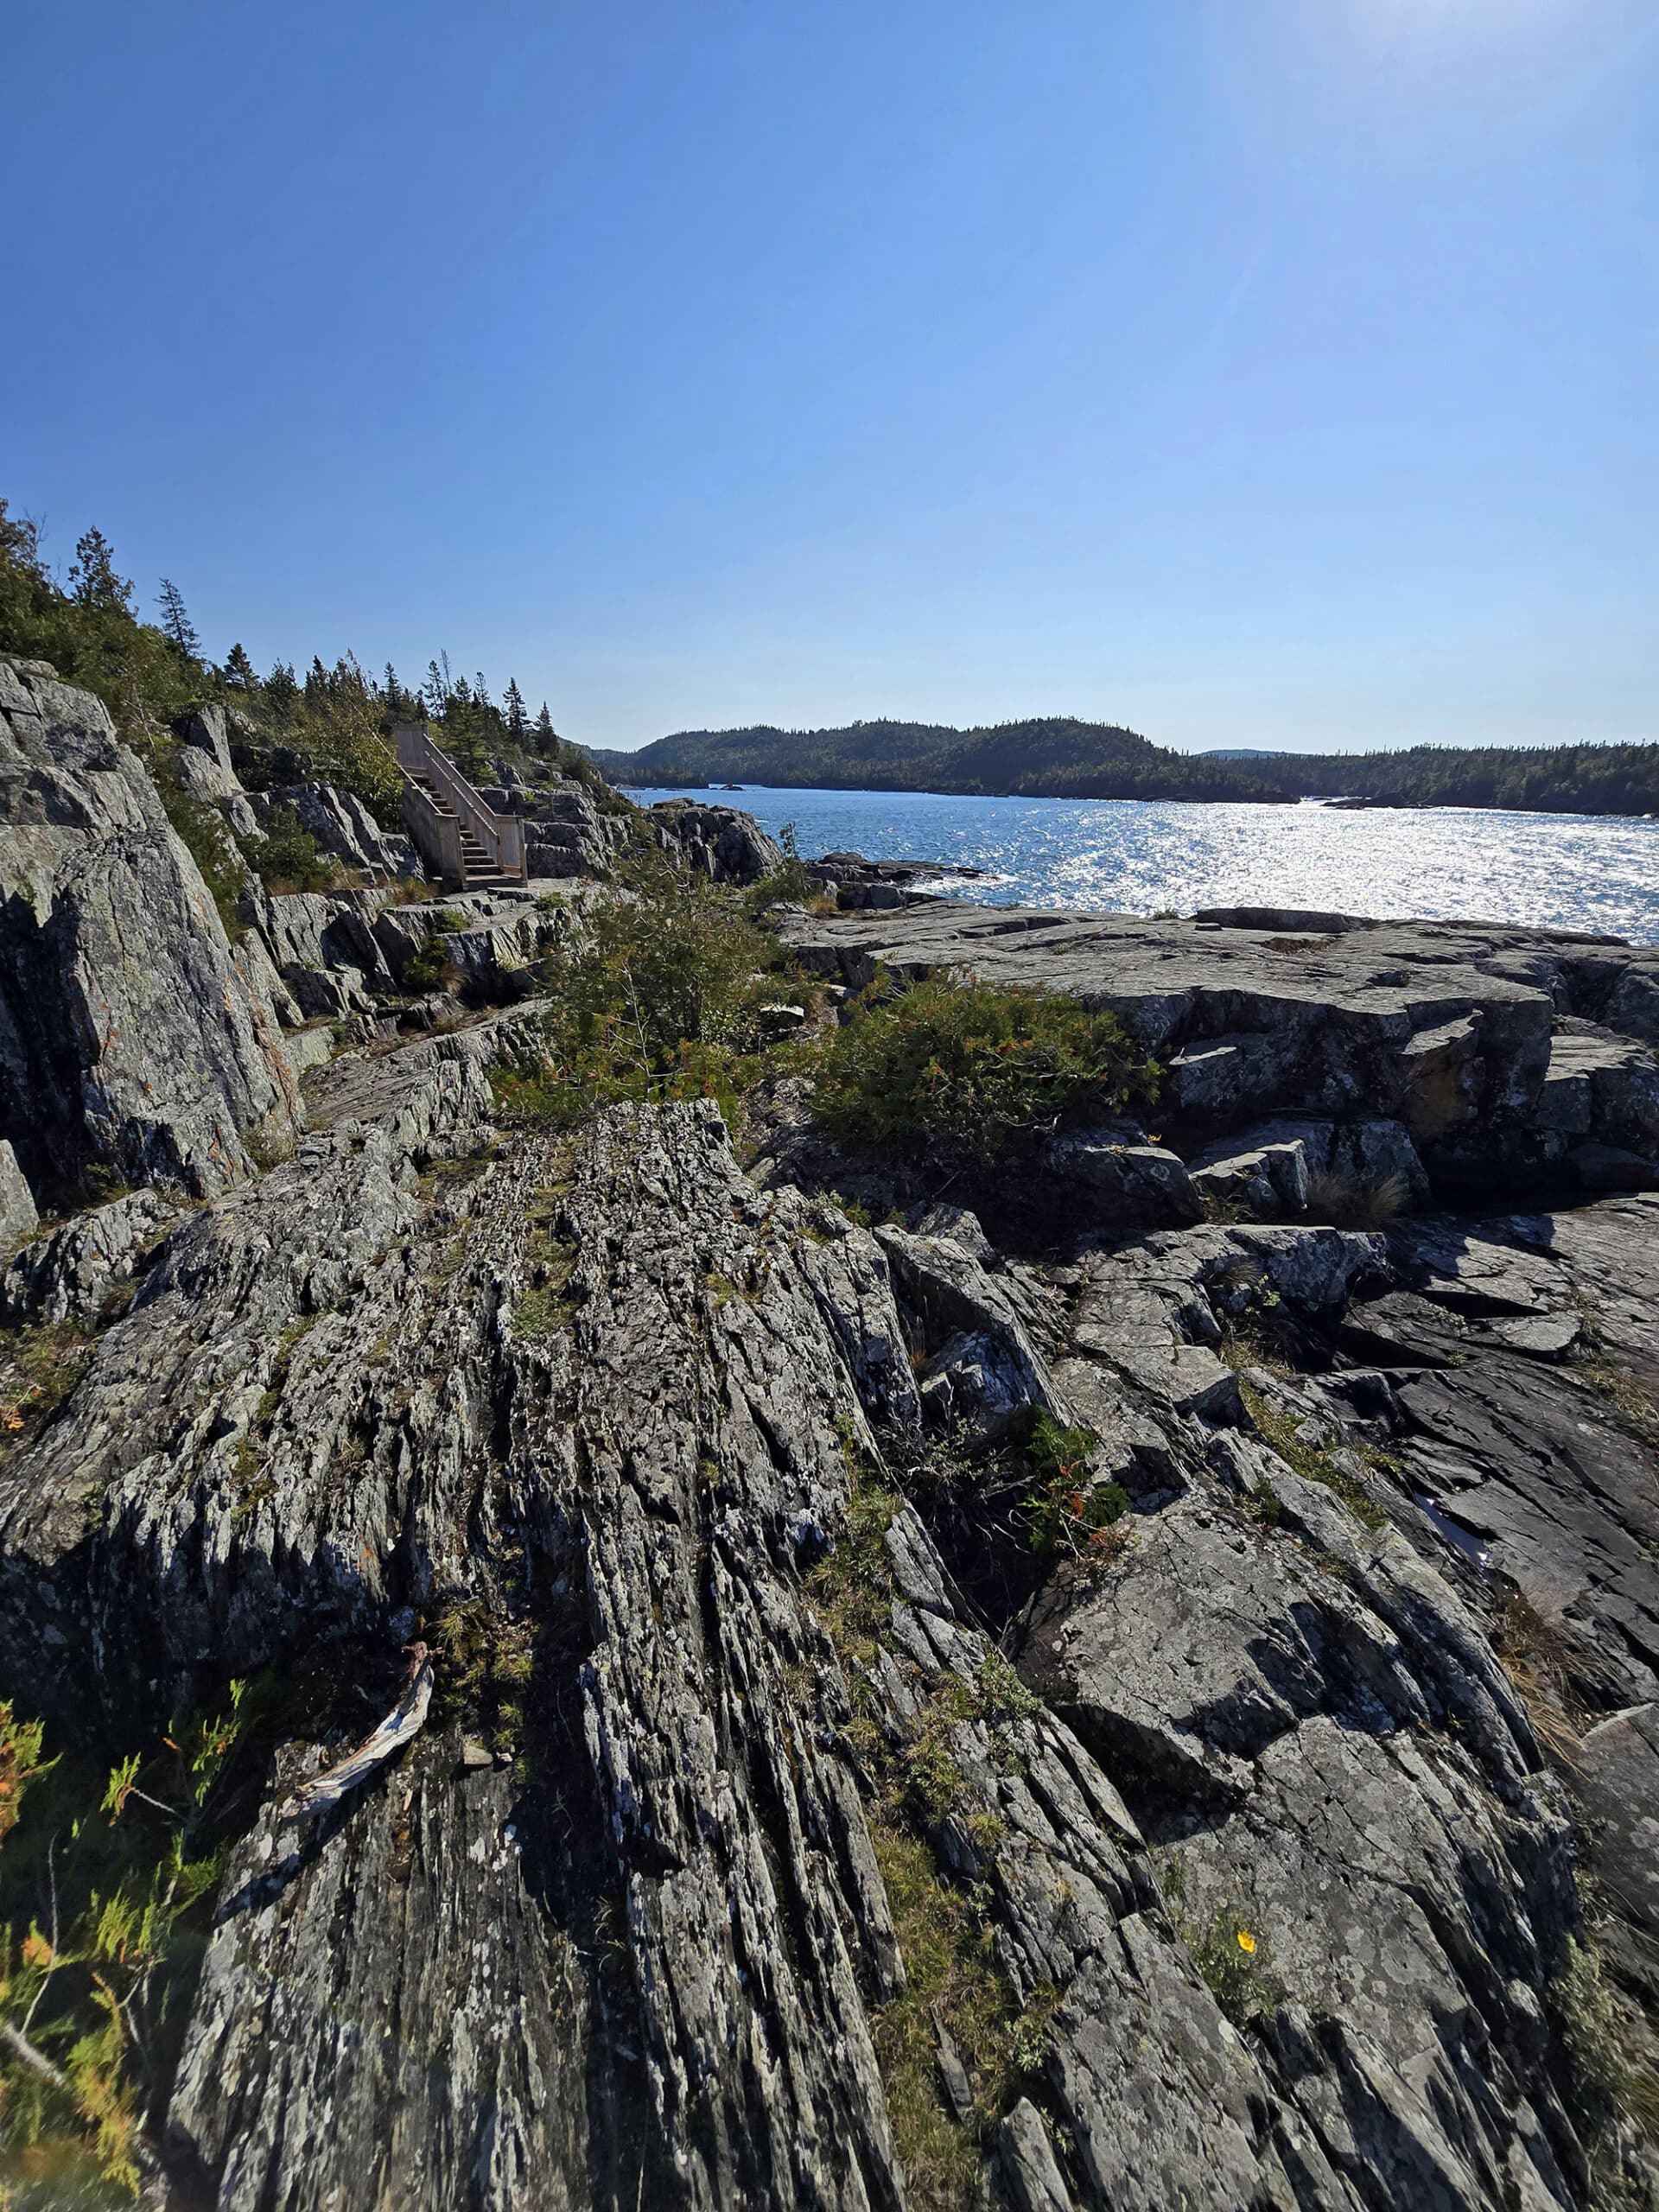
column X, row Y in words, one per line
column 133, row 1035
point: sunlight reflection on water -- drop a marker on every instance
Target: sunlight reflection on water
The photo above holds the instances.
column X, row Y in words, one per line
column 1572, row 872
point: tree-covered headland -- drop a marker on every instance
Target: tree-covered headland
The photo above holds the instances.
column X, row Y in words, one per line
column 1058, row 757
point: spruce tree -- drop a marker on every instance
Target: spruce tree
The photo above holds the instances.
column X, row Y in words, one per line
column 282, row 685
column 238, row 669
column 92, row 579
column 546, row 737
column 512, row 701
column 175, row 621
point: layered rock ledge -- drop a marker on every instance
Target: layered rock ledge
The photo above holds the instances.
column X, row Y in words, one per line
column 1508, row 1058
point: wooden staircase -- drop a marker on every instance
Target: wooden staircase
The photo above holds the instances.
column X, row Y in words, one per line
column 466, row 845
column 480, row 871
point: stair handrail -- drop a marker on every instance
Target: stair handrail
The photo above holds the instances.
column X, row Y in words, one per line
column 502, row 836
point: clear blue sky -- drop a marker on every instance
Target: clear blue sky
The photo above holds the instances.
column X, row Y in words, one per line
column 1255, row 372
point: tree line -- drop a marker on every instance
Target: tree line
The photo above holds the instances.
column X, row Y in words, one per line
column 1051, row 756
column 1060, row 757
column 331, row 724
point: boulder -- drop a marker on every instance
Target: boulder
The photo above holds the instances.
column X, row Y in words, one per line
column 722, row 843
column 1275, row 1168
column 1266, row 1175
column 1130, row 1185
column 343, row 826
column 134, row 1037
column 204, row 730
column 18, row 1216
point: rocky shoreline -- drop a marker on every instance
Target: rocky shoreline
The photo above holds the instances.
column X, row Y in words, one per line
column 788, row 1828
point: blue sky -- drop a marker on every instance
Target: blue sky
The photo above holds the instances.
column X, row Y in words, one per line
column 1255, row 372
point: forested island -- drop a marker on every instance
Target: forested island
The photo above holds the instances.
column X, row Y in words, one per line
column 1059, row 757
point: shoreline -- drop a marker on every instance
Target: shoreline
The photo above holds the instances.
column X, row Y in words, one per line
column 1345, row 804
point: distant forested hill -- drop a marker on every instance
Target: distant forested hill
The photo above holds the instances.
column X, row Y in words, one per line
column 1539, row 779
column 1057, row 757
column 1053, row 757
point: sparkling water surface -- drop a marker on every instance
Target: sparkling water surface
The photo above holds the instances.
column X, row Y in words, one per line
column 1574, row 872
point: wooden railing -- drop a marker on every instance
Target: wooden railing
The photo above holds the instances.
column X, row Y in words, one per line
column 438, row 835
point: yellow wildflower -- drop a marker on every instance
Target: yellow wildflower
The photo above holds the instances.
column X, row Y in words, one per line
column 1246, row 1941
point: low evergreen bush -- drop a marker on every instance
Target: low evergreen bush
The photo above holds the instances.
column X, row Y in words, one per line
column 659, row 998
column 965, row 1066
column 288, row 857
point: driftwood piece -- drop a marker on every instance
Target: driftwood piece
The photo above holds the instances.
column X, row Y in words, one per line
column 405, row 1721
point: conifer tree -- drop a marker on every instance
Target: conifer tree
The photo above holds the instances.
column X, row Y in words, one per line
column 512, row 701
column 480, row 690
column 238, row 669
column 546, row 737
column 175, row 621
column 282, row 685
column 93, row 579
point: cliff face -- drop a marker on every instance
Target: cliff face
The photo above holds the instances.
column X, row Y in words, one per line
column 133, row 1036
column 785, row 1829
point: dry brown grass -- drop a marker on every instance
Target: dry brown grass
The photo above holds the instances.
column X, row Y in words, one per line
column 1343, row 1203
column 1538, row 1656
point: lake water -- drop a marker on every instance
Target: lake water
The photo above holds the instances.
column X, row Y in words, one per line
column 1576, row 872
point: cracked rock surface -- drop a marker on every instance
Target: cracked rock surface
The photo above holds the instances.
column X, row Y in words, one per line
column 609, row 1390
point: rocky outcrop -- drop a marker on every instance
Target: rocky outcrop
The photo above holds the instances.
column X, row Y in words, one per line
column 134, row 1038
column 1125, row 1725
column 1501, row 1059
column 566, row 832
column 855, row 882
column 722, row 843
column 655, row 1427
column 343, row 827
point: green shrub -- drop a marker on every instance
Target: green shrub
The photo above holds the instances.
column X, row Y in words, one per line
column 968, row 1065
column 658, row 998
column 1067, row 1511
column 288, row 857
column 431, row 968
column 1594, row 2023
column 201, row 829
column 85, row 1997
